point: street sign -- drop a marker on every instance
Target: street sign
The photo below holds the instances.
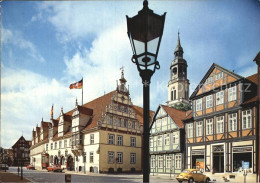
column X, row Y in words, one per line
column 245, row 165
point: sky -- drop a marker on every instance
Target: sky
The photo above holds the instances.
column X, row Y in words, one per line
column 47, row 45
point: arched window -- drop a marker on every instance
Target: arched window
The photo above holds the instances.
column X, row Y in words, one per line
column 171, row 95
column 174, row 94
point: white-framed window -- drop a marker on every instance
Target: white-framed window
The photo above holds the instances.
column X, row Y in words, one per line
column 232, row 122
column 120, row 140
column 132, row 141
column 91, row 157
column 219, row 76
column 111, row 139
column 167, row 139
column 60, row 144
column 178, row 161
column 209, row 101
column 65, row 143
column 152, row 162
column 175, row 138
column 199, row 128
column 199, row 104
column 111, row 157
column 168, row 161
column 51, row 145
column 190, row 130
column 246, row 119
column 110, row 120
column 209, row 126
column 232, row 94
column 47, row 147
column 159, row 140
column 220, row 124
column 132, row 158
column 55, row 145
column 160, row 162
column 92, row 139
column 125, row 123
column 119, row 157
column 209, row 80
column 151, row 141
column 220, row 98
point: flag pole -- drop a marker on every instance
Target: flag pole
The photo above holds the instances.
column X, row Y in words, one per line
column 82, row 91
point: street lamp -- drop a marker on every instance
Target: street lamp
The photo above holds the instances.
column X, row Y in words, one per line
column 145, row 32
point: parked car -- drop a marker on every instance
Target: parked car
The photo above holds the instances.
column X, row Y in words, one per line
column 4, row 167
column 54, row 168
column 30, row 167
column 192, row 175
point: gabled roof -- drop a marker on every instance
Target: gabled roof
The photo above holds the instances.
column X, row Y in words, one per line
column 139, row 112
column 188, row 115
column 213, row 66
column 175, row 114
column 98, row 107
column 55, row 122
column 253, row 78
column 45, row 124
column 85, row 110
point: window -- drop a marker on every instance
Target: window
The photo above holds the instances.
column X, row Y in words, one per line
column 111, row 139
column 111, row 157
column 151, row 141
column 133, row 125
column 168, row 161
column 209, row 102
column 199, row 104
column 47, row 147
column 246, row 119
column 55, row 145
column 178, row 161
column 60, row 144
column 51, row 145
column 160, row 162
column 159, row 140
column 219, row 76
column 126, row 109
column 171, row 95
column 152, row 162
column 125, row 123
column 110, row 120
column 120, row 140
column 119, row 157
column 91, row 157
column 132, row 158
column 65, row 143
column 167, row 139
column 232, row 122
column 174, row 97
column 209, row 80
column 91, row 138
column 190, row 130
column 132, row 141
column 232, row 94
column 175, row 138
column 220, row 98
column 209, row 126
column 220, row 124
column 119, row 122
column 199, row 128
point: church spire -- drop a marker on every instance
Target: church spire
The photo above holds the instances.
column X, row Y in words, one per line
column 178, row 50
column 122, row 87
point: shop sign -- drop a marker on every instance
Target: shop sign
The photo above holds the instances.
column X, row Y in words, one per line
column 197, row 152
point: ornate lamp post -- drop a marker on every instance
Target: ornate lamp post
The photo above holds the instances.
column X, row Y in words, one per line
column 145, row 32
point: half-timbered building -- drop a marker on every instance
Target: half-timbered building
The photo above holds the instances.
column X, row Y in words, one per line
column 221, row 130
column 167, row 129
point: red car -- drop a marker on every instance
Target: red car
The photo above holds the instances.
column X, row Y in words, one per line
column 30, row 167
column 54, row 168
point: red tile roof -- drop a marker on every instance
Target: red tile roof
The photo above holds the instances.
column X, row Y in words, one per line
column 176, row 115
column 139, row 112
column 188, row 115
column 98, row 106
column 55, row 122
column 253, row 78
column 45, row 124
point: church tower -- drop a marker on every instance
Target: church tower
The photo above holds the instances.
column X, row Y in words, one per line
column 178, row 86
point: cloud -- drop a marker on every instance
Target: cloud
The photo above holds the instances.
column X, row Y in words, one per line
column 26, row 98
column 15, row 38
